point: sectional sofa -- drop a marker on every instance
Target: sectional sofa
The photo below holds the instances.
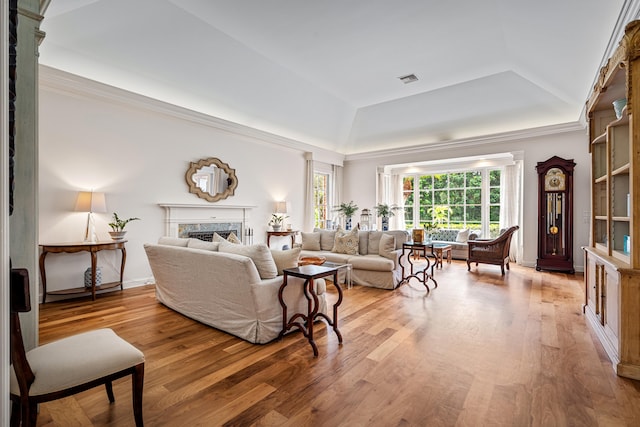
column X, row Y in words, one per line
column 374, row 256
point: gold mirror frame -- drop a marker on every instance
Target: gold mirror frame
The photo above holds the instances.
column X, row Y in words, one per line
column 194, row 167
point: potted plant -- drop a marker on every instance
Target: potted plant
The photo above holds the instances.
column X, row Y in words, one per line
column 348, row 210
column 276, row 221
column 439, row 215
column 117, row 226
column 385, row 211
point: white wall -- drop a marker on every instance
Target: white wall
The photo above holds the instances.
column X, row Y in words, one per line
column 360, row 178
column 138, row 156
column 137, row 150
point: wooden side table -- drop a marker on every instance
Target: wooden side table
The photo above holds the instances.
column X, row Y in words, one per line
column 93, row 248
column 409, row 249
column 439, row 250
column 302, row 321
column 291, row 233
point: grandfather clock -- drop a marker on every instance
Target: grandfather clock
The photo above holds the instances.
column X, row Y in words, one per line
column 555, row 215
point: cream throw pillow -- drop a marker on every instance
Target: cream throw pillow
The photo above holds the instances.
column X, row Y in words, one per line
column 327, row 238
column 463, row 235
column 259, row 254
column 232, row 238
column 173, row 241
column 310, row 241
column 347, row 242
column 285, row 259
column 201, row 244
column 374, row 242
column 387, row 244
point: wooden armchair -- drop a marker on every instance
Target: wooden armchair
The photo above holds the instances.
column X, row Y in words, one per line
column 495, row 251
column 67, row 366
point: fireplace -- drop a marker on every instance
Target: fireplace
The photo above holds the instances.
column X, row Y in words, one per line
column 207, row 230
column 202, row 221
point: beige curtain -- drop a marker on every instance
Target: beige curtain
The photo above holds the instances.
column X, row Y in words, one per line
column 397, row 199
column 390, row 192
column 337, row 181
column 309, row 219
column 511, row 187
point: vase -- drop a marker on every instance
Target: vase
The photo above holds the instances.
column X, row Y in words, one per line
column 347, row 224
column 87, row 277
column 385, row 223
column 276, row 227
column 117, row 235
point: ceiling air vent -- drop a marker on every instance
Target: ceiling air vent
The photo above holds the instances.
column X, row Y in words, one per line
column 409, row 78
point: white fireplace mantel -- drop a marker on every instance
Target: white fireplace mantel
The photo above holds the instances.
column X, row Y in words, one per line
column 185, row 213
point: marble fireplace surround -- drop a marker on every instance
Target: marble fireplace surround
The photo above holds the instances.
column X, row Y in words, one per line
column 201, row 219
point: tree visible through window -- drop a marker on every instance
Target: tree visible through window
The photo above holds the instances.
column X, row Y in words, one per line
column 454, row 200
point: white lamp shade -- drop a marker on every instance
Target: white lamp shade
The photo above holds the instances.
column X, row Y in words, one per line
column 88, row 201
column 281, row 208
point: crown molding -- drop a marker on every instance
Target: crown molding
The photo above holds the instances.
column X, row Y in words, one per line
column 80, row 87
column 629, row 12
column 470, row 142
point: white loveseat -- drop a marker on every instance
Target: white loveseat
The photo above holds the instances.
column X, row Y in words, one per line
column 376, row 262
column 231, row 287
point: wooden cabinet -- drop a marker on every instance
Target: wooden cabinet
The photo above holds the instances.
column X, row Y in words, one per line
column 612, row 259
column 603, row 302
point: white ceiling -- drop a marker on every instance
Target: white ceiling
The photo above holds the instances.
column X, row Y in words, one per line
column 326, row 72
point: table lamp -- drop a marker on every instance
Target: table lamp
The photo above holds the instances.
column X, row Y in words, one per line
column 281, row 208
column 90, row 202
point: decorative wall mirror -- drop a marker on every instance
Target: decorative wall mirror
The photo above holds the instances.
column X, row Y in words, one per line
column 211, row 179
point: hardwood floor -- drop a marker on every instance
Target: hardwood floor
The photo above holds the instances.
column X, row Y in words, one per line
column 481, row 349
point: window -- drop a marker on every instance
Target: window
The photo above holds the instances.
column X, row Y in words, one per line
column 465, row 199
column 321, row 206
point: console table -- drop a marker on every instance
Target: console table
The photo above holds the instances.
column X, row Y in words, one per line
column 93, row 248
column 291, row 233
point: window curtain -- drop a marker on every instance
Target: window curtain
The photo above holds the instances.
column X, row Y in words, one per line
column 390, row 192
column 309, row 219
column 511, row 190
column 397, row 221
column 336, row 189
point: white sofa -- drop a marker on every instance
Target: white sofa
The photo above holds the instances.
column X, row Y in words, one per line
column 214, row 283
column 376, row 263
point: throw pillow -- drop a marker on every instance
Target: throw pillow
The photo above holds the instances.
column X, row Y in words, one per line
column 259, row 254
column 387, row 244
column 347, row 242
column 201, row 244
column 310, row 241
column 231, row 239
column 387, row 247
column 363, row 247
column 463, row 235
column 374, row 242
column 285, row 259
column 173, row 241
column 327, row 238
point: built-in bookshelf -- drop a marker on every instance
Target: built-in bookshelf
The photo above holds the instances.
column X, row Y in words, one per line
column 612, row 259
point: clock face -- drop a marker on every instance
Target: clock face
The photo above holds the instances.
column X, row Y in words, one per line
column 554, row 180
